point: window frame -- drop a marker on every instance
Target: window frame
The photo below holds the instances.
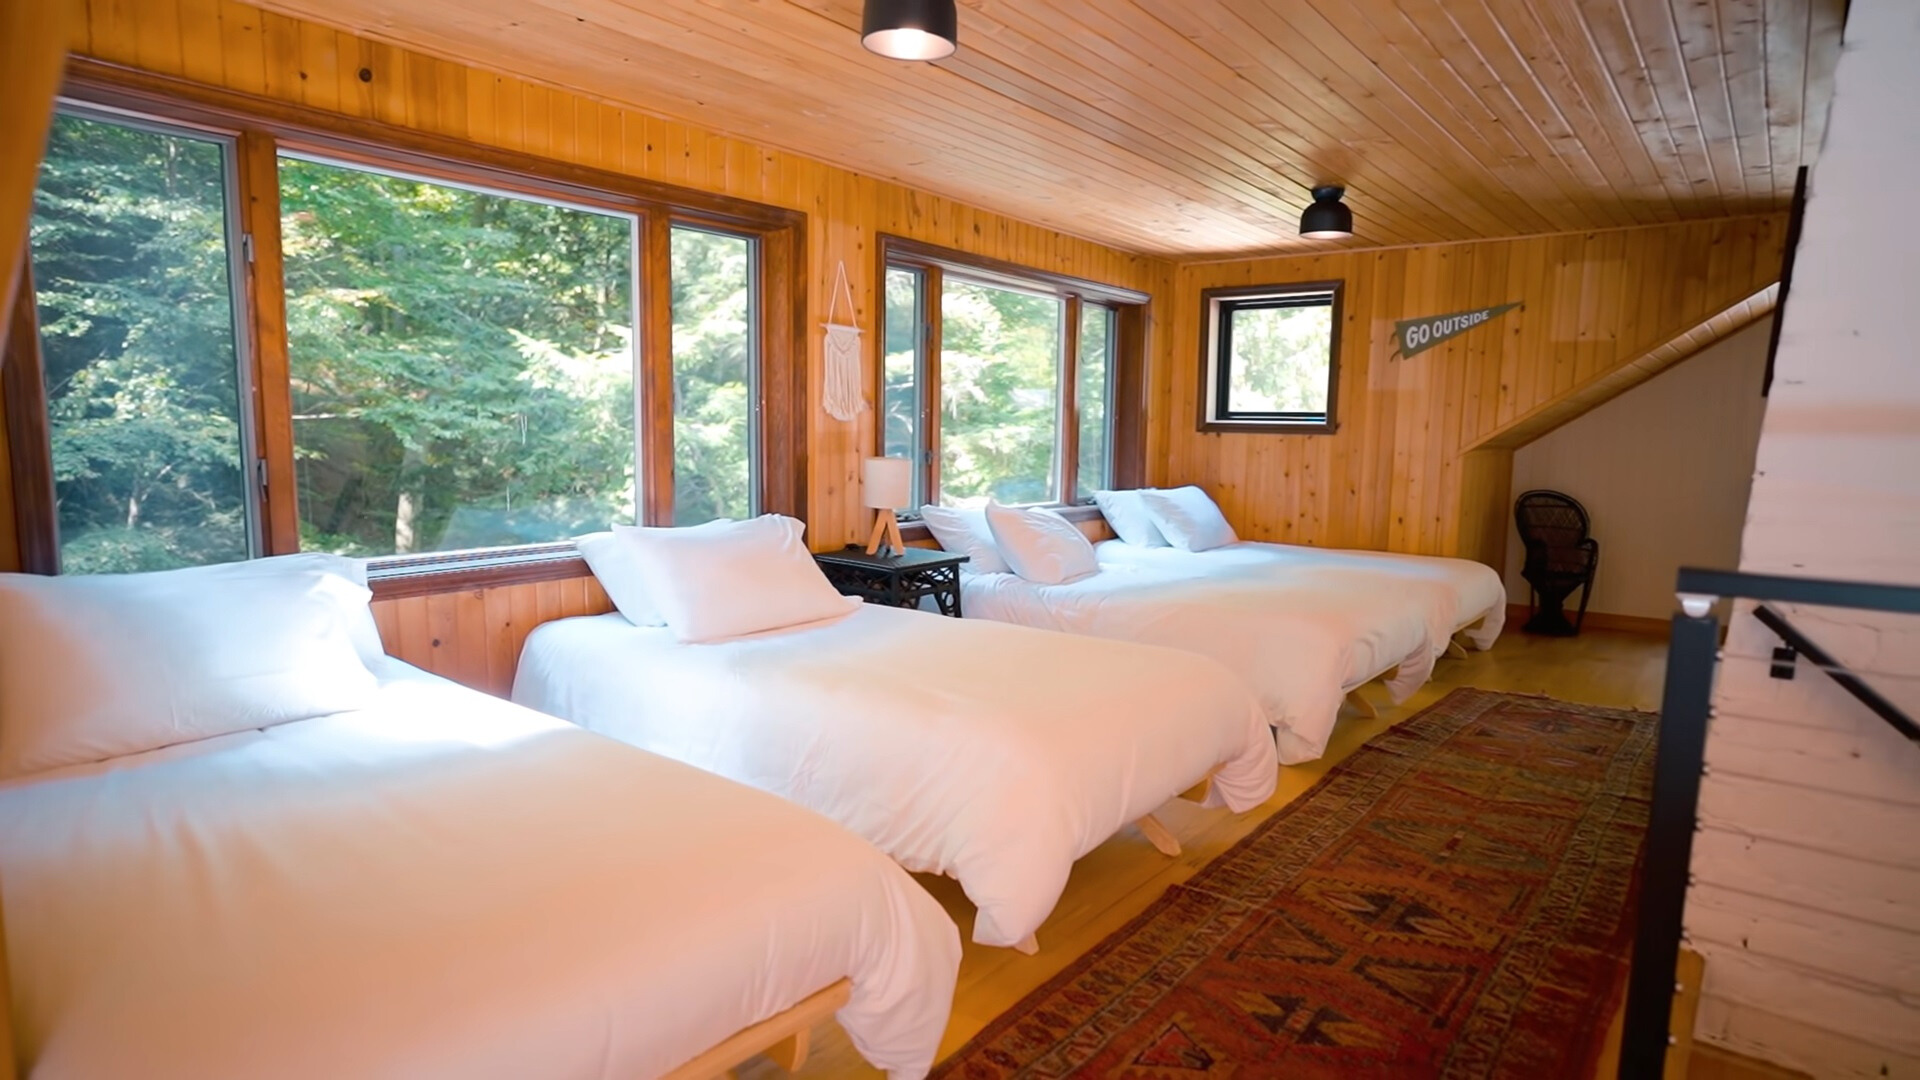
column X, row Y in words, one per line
column 259, row 129
column 1126, row 378
column 1216, row 342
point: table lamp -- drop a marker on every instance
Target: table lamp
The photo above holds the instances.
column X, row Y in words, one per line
column 886, row 483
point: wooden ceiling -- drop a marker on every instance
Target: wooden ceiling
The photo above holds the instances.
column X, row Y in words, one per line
column 1193, row 127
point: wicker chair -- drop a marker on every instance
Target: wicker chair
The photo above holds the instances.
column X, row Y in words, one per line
column 1561, row 557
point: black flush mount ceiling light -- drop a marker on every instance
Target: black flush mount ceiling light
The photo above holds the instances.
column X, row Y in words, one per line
column 1328, row 218
column 910, row 29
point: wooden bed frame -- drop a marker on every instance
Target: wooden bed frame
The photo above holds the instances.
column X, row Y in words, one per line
column 785, row 1037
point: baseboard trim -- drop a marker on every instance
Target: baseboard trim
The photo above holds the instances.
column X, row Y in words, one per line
column 1602, row 620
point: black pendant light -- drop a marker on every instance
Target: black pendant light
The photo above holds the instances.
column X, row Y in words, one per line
column 910, row 29
column 1328, row 218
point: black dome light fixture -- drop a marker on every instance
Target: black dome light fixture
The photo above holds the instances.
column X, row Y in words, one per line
column 910, row 29
column 1328, row 218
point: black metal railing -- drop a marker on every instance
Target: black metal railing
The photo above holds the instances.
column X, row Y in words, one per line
column 1847, row 680
column 1684, row 709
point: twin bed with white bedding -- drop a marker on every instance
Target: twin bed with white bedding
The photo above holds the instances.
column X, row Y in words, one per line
column 994, row 754
column 1300, row 641
column 431, row 883
column 1462, row 597
column 1304, row 627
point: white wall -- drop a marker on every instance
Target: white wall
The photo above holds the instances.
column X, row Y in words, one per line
column 1806, row 899
column 1664, row 470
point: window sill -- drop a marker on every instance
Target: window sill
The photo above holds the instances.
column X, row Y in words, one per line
column 1270, row 427
column 399, row 576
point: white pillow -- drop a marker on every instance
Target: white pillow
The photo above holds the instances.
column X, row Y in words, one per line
column 1128, row 516
column 728, row 580
column 613, row 561
column 1188, row 518
column 963, row 530
column 1041, row 546
column 359, row 616
column 102, row 666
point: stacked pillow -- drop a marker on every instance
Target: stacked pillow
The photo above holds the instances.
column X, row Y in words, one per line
column 963, row 530
column 1127, row 514
column 103, row 666
column 1188, row 518
column 1040, row 545
column 715, row 582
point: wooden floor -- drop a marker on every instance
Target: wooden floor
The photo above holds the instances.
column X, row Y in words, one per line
column 1117, row 880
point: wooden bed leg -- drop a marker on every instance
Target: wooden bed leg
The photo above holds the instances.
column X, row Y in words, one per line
column 1158, row 835
column 1027, row 945
column 1455, row 649
column 1361, row 705
column 791, row 1052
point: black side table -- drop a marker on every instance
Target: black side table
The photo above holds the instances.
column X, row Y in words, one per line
column 896, row 580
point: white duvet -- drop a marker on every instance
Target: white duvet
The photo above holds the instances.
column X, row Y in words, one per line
column 1301, row 637
column 1462, row 595
column 994, row 754
column 443, row 886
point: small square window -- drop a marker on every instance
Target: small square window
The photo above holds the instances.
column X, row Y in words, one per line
column 1271, row 358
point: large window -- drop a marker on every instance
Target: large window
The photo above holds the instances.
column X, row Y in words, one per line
column 1271, row 358
column 261, row 339
column 134, row 277
column 997, row 382
column 462, row 363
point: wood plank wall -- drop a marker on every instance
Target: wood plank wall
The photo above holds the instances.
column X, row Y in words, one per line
column 1399, row 475
column 473, row 636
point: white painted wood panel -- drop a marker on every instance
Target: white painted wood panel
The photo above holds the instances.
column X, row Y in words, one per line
column 1857, row 890
column 1664, row 470
column 1807, row 875
column 1805, row 937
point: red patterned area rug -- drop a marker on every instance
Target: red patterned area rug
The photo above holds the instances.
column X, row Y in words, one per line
column 1451, row 901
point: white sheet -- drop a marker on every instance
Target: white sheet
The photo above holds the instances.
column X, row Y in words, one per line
column 994, row 754
column 1301, row 638
column 446, row 885
column 1464, row 595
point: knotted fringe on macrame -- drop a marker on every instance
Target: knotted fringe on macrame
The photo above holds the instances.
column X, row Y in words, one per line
column 844, row 398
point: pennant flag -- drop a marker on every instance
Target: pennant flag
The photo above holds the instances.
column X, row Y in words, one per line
column 1419, row 335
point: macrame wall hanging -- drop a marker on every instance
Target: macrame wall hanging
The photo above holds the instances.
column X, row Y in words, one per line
column 844, row 399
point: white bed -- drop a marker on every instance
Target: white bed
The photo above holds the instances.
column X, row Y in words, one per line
column 1301, row 637
column 444, row 885
column 1464, row 597
column 994, row 754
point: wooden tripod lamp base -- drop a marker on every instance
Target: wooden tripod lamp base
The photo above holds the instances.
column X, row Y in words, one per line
column 886, row 483
column 886, row 533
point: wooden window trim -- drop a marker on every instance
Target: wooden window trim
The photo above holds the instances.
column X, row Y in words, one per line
column 1128, row 392
column 262, row 128
column 1209, row 361
column 30, row 446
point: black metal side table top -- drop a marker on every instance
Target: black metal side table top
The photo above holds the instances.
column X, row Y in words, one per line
column 896, row 580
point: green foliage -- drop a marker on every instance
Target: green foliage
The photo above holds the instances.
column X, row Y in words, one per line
column 712, row 376
column 132, row 278
column 1281, row 359
column 461, row 362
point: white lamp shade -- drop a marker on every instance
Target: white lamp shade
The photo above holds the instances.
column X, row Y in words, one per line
column 886, row 483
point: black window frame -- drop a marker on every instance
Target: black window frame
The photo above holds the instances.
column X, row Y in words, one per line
column 1216, row 356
